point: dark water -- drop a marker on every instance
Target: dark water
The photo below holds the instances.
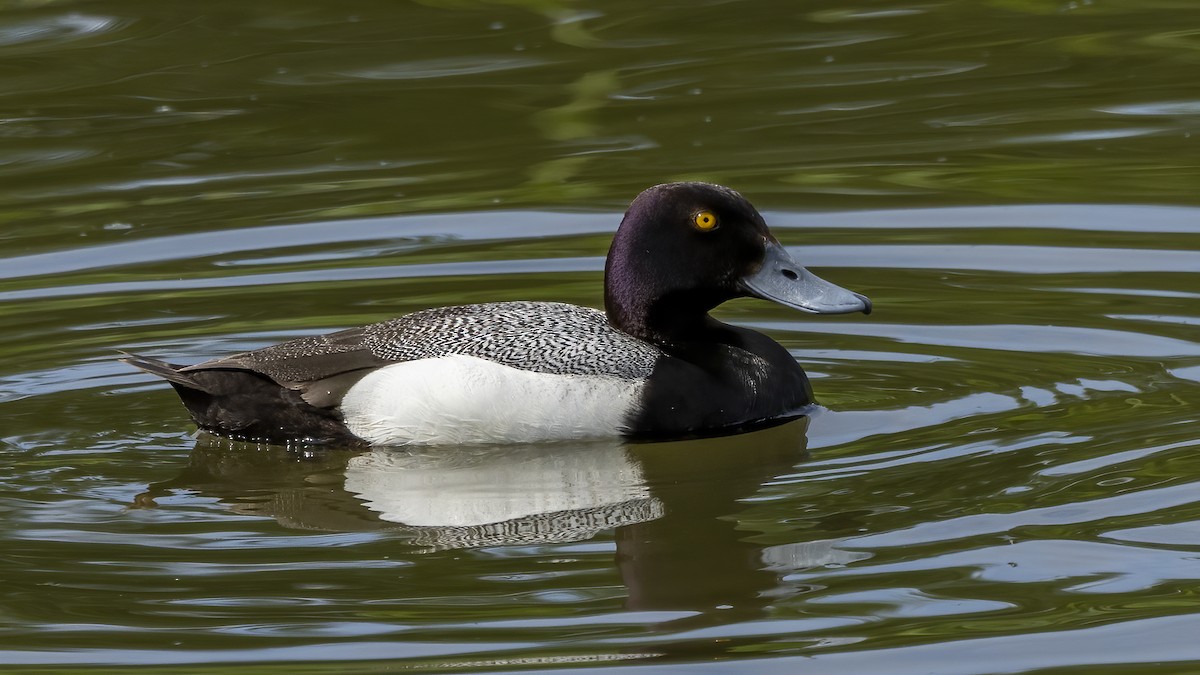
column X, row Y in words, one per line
column 1003, row 476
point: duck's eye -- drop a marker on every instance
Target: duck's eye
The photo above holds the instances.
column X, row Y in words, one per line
column 705, row 221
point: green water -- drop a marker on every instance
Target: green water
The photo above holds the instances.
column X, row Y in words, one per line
column 1004, row 473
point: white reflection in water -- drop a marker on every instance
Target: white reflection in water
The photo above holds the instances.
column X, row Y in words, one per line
column 475, row 496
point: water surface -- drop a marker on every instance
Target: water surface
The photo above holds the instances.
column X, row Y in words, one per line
column 1001, row 476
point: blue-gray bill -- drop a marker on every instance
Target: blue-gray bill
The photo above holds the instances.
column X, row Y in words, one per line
column 781, row 279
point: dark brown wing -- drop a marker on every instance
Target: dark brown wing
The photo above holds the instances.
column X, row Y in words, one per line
column 322, row 367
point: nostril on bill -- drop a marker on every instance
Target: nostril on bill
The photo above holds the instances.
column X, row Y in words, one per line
column 790, row 274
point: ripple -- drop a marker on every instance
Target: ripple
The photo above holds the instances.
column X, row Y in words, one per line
column 268, row 238
column 913, row 418
column 862, row 74
column 840, row 107
column 435, row 68
column 1088, row 217
column 432, row 270
column 428, row 69
column 214, row 540
column 1024, row 259
column 307, row 653
column 1191, row 373
column 330, row 629
column 1159, row 318
column 1176, row 40
column 1173, row 534
column 1010, row 337
column 1073, row 513
column 827, row 40
column 24, row 160
column 1083, row 135
column 1107, row 568
column 1156, row 109
column 57, row 29
column 1104, row 644
column 842, row 15
column 1137, row 292
column 911, row 603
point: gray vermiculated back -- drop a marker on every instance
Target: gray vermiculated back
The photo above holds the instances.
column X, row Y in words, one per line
column 544, row 337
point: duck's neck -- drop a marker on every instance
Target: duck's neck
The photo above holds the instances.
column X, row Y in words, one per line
column 663, row 319
column 648, row 299
column 659, row 325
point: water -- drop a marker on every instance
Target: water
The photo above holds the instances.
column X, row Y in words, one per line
column 1001, row 477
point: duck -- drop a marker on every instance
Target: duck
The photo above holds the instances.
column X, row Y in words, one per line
column 653, row 365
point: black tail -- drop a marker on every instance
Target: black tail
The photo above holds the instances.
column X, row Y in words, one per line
column 167, row 371
column 247, row 405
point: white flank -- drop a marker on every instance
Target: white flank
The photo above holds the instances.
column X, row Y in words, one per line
column 466, row 400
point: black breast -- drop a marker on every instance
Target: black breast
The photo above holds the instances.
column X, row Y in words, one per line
column 742, row 380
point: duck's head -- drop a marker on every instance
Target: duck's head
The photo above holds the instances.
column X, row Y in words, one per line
column 684, row 248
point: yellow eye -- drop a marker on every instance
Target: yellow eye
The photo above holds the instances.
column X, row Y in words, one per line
column 705, row 221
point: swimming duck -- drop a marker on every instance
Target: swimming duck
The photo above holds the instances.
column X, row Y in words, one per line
column 654, row 364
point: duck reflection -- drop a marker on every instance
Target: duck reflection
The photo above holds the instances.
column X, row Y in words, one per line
column 486, row 496
column 674, row 507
